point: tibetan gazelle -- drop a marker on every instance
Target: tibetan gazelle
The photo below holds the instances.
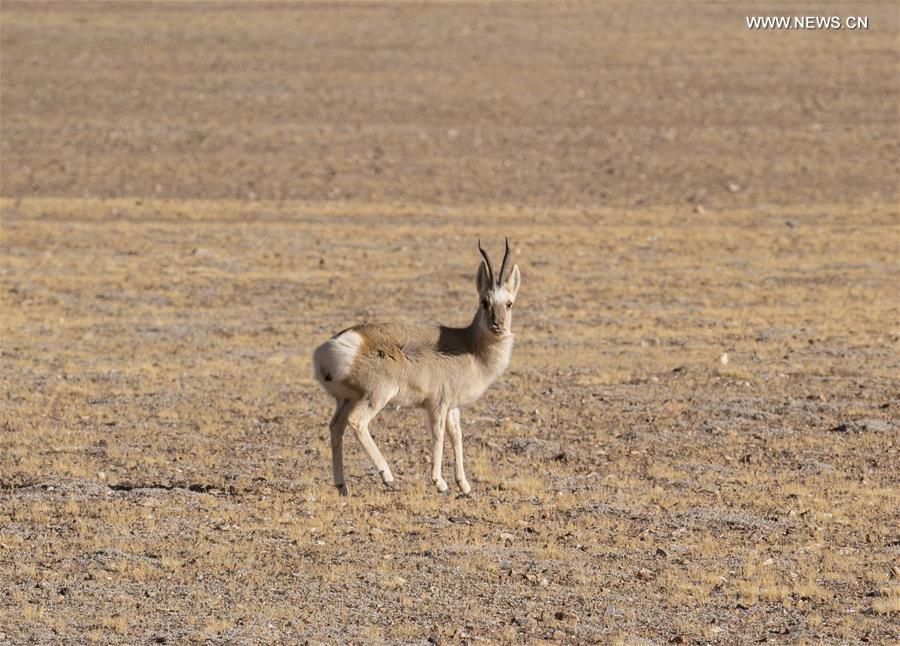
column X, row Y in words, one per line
column 436, row 368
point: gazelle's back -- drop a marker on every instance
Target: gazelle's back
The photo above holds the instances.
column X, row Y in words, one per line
column 404, row 363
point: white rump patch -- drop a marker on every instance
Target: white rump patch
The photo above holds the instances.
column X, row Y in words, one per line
column 333, row 358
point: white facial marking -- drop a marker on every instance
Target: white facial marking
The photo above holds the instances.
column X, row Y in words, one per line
column 501, row 295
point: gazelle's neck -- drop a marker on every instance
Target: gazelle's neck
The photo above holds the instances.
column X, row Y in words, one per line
column 492, row 350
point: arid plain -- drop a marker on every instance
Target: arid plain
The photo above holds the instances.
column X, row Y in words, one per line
column 195, row 195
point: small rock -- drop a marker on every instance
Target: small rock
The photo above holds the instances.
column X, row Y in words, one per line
column 661, row 552
column 644, row 574
column 567, row 617
column 699, row 209
column 611, row 611
column 527, row 622
column 768, row 562
column 506, row 536
column 733, row 187
column 393, row 583
column 724, row 359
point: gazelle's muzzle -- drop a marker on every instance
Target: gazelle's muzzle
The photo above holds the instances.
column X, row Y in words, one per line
column 496, row 321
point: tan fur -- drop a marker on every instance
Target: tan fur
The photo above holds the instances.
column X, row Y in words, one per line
column 435, row 368
column 418, row 365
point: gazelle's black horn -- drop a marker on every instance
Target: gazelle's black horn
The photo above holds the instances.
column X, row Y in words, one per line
column 487, row 261
column 503, row 264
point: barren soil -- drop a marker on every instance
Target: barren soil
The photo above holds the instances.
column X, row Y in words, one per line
column 697, row 439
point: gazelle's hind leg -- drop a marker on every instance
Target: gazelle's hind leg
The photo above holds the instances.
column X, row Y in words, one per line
column 455, row 431
column 360, row 414
column 337, row 426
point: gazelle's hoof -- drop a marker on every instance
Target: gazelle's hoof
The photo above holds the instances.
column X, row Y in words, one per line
column 464, row 487
column 441, row 485
column 391, row 484
column 342, row 489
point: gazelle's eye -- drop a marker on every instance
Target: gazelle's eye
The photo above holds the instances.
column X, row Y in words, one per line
column 508, row 305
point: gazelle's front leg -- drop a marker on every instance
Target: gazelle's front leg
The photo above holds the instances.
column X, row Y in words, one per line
column 455, row 430
column 437, row 415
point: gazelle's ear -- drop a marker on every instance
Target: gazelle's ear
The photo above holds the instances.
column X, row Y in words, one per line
column 483, row 280
column 513, row 280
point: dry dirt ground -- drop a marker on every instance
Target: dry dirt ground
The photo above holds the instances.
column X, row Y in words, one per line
column 194, row 196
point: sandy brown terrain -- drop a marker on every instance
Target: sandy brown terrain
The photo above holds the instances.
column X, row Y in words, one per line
column 193, row 196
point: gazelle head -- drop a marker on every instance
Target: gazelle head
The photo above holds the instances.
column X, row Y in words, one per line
column 497, row 294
